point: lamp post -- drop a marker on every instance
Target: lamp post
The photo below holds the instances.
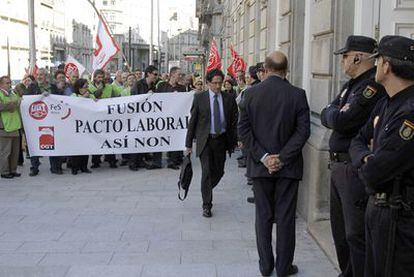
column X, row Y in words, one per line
column 32, row 42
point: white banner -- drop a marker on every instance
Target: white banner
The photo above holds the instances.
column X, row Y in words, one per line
column 63, row 125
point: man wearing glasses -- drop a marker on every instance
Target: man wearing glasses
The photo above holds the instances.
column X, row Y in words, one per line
column 213, row 123
column 143, row 86
column 345, row 116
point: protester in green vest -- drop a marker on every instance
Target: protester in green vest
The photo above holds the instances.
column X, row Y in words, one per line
column 101, row 88
column 10, row 124
column 129, row 84
column 98, row 87
column 118, row 85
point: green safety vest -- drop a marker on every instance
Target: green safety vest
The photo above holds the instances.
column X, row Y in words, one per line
column 126, row 92
column 117, row 89
column 11, row 120
column 106, row 93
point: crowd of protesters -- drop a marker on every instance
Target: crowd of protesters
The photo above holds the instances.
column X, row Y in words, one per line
column 99, row 86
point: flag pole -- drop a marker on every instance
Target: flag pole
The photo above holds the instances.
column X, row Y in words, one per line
column 102, row 17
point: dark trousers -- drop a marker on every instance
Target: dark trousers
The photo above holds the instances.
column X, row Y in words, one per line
column 136, row 160
column 175, row 157
column 96, row 159
column 347, row 211
column 21, row 158
column 55, row 163
column 212, row 160
column 157, row 159
column 378, row 221
column 79, row 163
column 34, row 162
column 275, row 196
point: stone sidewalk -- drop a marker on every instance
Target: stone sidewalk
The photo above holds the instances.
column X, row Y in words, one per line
column 115, row 222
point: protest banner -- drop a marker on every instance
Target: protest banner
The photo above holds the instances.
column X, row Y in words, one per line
column 63, row 126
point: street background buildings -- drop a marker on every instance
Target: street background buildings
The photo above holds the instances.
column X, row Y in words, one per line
column 308, row 31
column 68, row 27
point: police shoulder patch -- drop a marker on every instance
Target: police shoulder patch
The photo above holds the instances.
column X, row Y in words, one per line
column 369, row 92
column 407, row 130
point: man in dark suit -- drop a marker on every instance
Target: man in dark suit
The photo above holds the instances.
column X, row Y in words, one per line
column 274, row 126
column 214, row 124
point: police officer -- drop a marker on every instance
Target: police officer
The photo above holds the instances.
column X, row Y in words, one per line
column 383, row 151
column 345, row 116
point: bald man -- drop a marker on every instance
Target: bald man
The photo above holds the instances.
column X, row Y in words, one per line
column 274, row 126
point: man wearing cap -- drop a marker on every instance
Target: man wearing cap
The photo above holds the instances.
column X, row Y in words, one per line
column 383, row 152
column 345, row 116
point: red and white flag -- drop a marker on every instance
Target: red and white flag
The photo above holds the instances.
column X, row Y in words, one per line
column 106, row 46
column 33, row 72
column 214, row 61
column 72, row 65
column 238, row 63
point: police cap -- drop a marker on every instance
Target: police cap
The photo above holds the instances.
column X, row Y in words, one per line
column 358, row 43
column 397, row 47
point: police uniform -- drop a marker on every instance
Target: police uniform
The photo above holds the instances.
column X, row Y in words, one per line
column 345, row 116
column 387, row 142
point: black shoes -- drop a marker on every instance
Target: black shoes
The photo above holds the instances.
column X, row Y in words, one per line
column 86, row 171
column 124, row 162
column 15, row 174
column 133, row 168
column 34, row 172
column 74, row 171
column 113, row 165
column 293, row 269
column 95, row 165
column 153, row 166
column 207, row 212
column 7, row 176
column 57, row 171
column 250, row 200
column 174, row 166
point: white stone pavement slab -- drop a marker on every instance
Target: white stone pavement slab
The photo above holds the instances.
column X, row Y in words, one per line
column 116, row 222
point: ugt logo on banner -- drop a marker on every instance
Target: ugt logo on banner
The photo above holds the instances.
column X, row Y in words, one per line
column 46, row 138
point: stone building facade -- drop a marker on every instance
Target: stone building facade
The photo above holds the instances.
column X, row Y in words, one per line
column 308, row 31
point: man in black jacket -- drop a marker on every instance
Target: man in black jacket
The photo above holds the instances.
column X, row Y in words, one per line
column 345, row 116
column 213, row 123
column 174, row 158
column 274, row 126
column 143, row 86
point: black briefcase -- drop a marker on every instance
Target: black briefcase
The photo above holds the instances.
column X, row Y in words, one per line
column 186, row 175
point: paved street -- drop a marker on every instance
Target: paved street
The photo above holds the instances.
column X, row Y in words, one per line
column 122, row 223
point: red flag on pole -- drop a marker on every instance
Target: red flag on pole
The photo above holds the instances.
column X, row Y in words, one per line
column 106, row 46
column 238, row 63
column 34, row 72
column 214, row 61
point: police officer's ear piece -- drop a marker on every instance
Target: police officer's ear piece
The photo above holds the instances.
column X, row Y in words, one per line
column 357, row 60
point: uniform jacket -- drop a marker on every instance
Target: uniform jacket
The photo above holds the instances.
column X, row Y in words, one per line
column 391, row 129
column 361, row 94
column 275, row 119
column 200, row 121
